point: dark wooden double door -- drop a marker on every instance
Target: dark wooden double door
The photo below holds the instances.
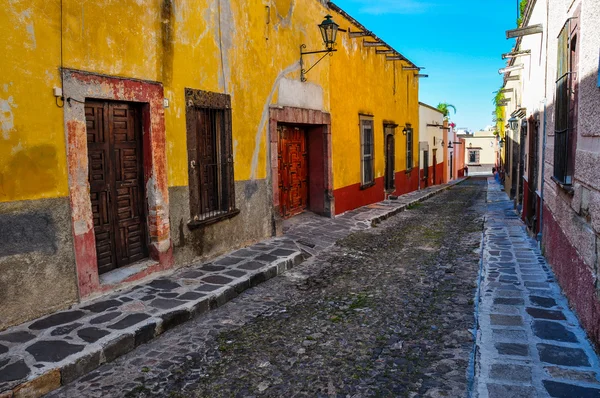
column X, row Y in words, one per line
column 114, row 140
column 293, row 170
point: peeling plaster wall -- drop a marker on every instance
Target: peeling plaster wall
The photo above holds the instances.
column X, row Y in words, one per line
column 37, row 266
column 253, row 223
column 248, row 49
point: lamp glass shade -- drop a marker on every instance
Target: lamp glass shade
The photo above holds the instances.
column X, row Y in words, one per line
column 329, row 31
column 513, row 122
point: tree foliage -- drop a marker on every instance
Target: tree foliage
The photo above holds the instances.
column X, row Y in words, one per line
column 522, row 7
column 499, row 112
column 444, row 107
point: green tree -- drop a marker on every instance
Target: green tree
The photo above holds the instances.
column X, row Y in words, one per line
column 499, row 111
column 444, row 107
column 522, row 7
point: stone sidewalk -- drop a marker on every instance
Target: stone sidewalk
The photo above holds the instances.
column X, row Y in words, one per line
column 40, row 356
column 529, row 343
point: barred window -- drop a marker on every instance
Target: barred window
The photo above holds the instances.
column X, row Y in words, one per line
column 211, row 178
column 566, row 78
column 473, row 156
column 367, row 143
column 409, row 147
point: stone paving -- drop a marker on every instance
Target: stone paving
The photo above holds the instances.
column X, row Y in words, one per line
column 529, row 342
column 40, row 356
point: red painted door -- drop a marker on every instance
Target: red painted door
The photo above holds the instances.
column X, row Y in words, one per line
column 116, row 183
column 293, row 171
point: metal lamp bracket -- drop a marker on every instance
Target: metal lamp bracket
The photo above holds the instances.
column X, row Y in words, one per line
column 303, row 71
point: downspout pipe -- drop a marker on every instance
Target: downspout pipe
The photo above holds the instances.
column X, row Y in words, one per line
column 539, row 235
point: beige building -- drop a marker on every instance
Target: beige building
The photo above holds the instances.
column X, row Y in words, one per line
column 481, row 151
column 431, row 149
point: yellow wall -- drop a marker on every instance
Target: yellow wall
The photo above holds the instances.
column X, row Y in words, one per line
column 178, row 43
column 174, row 42
column 32, row 143
column 363, row 82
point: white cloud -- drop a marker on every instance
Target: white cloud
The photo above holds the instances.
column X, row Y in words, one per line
column 378, row 7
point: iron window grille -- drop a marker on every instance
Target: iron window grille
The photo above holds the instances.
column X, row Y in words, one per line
column 367, row 152
column 473, row 156
column 564, row 118
column 409, row 147
column 210, row 155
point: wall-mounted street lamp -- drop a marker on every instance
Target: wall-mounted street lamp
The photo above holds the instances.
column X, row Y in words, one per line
column 501, row 143
column 513, row 122
column 329, row 31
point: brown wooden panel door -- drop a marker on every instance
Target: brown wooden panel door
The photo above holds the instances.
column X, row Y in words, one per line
column 293, row 171
column 100, row 178
column 116, row 183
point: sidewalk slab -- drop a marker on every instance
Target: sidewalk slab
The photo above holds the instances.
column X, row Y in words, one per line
column 529, row 342
column 40, row 356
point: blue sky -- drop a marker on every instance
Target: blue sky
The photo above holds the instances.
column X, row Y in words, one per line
column 459, row 43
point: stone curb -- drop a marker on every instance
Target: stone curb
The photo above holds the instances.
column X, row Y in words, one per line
column 109, row 349
column 113, row 346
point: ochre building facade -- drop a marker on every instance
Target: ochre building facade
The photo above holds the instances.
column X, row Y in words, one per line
column 179, row 131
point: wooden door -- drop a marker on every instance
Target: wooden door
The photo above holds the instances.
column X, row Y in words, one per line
column 532, row 175
column 390, row 160
column 434, row 165
column 426, row 167
column 293, row 171
column 116, row 183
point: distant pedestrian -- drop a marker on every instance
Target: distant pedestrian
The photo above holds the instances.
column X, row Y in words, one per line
column 466, row 171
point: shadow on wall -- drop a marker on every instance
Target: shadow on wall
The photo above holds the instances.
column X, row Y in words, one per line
column 29, row 172
column 26, row 233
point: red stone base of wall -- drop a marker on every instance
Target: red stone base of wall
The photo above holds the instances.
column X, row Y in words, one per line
column 574, row 277
column 352, row 196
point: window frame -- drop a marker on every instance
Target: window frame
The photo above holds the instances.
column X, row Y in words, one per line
column 363, row 121
column 477, row 153
column 389, row 129
column 410, row 150
column 565, row 99
column 216, row 108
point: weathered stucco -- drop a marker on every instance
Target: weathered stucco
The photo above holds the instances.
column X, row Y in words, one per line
column 37, row 267
column 251, row 225
column 145, row 51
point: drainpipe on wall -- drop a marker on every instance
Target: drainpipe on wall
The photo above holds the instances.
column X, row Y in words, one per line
column 539, row 235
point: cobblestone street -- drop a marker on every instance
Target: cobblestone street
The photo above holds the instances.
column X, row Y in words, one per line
column 386, row 312
column 530, row 344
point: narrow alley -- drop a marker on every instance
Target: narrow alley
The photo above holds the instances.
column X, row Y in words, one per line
column 387, row 312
